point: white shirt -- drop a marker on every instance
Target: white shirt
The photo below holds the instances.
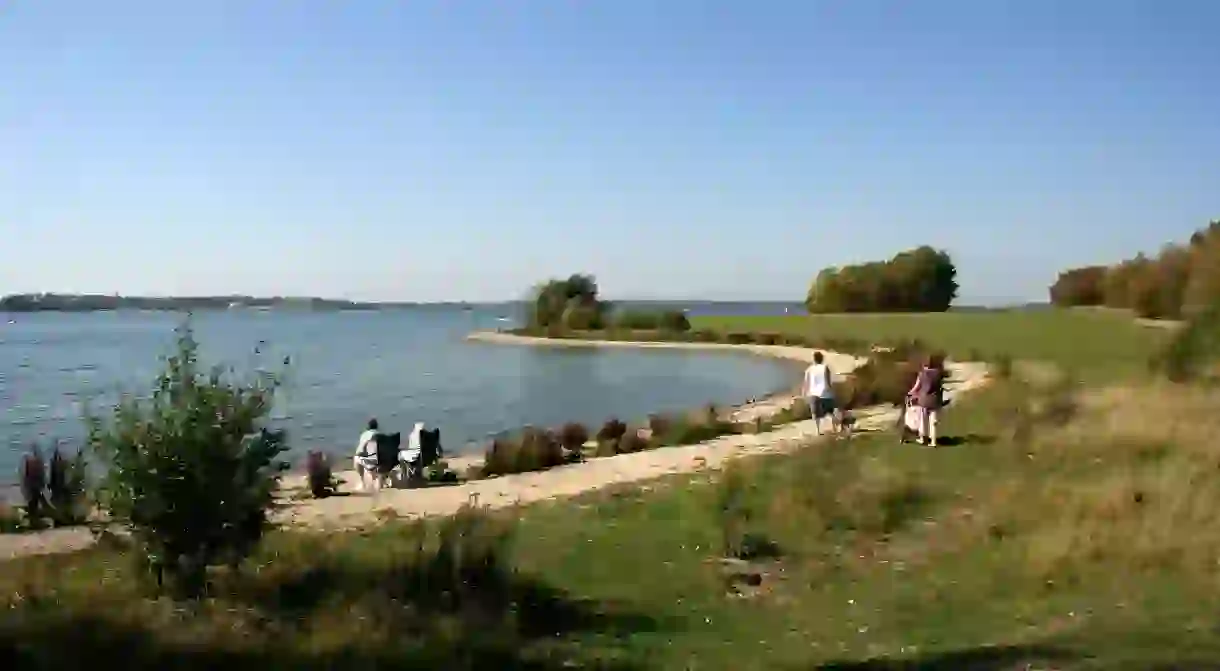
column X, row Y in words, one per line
column 367, row 445
column 817, row 381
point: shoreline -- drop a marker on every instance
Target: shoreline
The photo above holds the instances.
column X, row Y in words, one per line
column 356, row 510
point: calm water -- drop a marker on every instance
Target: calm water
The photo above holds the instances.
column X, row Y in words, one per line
column 399, row 366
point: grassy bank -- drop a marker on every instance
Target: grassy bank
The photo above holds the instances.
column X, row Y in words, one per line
column 1093, row 345
column 1046, row 532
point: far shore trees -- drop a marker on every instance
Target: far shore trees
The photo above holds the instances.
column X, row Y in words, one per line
column 572, row 304
column 916, row 280
column 1180, row 281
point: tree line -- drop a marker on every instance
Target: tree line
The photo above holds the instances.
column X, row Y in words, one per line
column 1177, row 282
column 915, row 280
column 572, row 304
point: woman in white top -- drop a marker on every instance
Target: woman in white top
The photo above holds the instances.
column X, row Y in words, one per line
column 819, row 390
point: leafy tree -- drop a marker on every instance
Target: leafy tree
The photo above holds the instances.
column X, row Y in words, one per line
column 1180, row 281
column 916, row 280
column 569, row 303
column 192, row 470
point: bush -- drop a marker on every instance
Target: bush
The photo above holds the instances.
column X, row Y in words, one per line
column 33, row 478
column 705, row 335
column 632, row 441
column 611, row 431
column 739, row 338
column 573, row 436
column 533, row 450
column 322, row 481
column 673, row 321
column 659, row 425
column 192, row 471
column 66, row 487
column 637, row 320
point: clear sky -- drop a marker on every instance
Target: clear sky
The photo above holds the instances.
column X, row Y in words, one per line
column 462, row 149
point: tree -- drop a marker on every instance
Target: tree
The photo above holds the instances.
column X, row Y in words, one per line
column 191, row 471
column 916, row 280
column 1180, row 280
column 1079, row 286
column 571, row 303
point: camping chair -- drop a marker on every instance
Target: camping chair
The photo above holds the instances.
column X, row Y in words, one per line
column 387, row 458
column 429, row 453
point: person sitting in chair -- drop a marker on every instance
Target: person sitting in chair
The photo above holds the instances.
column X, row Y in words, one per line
column 408, row 457
column 365, row 459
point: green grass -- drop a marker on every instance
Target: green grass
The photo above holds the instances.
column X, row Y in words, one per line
column 1094, row 345
column 1011, row 547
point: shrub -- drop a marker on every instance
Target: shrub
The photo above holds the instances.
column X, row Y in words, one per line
column 533, row 450
column 673, row 321
column 612, row 430
column 632, row 441
column 501, row 456
column 322, row 481
column 770, row 339
column 191, row 472
column 440, row 472
column 540, row 450
column 66, row 488
column 637, row 320
column 739, row 338
column 11, row 519
column 573, row 436
column 705, row 335
column 33, row 477
column 659, row 425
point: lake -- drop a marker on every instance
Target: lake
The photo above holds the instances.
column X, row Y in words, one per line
column 400, row 366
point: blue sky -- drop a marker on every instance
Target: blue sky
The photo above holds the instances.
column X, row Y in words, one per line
column 464, row 149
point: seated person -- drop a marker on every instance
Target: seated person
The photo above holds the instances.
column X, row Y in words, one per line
column 365, row 459
column 411, row 452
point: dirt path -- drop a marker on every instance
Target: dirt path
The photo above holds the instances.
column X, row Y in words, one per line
column 345, row 512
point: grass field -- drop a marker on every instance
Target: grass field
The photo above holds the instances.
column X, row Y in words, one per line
column 1090, row 344
column 1059, row 527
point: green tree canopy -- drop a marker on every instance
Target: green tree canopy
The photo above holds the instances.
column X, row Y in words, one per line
column 916, row 280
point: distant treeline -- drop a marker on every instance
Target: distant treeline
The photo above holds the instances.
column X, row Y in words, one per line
column 1177, row 282
column 916, row 280
column 94, row 302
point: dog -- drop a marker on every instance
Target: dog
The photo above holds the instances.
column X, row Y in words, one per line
column 844, row 423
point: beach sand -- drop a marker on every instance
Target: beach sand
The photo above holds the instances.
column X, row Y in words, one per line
column 359, row 510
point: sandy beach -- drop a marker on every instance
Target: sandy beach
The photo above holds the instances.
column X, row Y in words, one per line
column 359, row 510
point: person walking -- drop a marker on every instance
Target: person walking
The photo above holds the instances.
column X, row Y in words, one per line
column 928, row 394
column 819, row 391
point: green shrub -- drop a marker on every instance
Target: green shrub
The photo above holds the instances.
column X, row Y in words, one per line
column 739, row 337
column 581, row 317
column 705, row 335
column 673, row 321
column 66, row 488
column 33, row 479
column 191, row 472
column 637, row 320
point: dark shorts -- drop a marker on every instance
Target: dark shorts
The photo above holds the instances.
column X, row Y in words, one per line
column 821, row 407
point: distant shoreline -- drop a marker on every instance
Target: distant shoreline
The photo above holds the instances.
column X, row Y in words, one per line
column 25, row 303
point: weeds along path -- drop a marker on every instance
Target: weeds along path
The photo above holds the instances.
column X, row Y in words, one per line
column 359, row 510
